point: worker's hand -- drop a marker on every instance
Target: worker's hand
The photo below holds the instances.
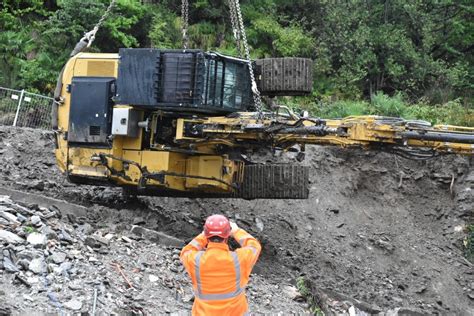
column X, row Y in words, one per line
column 234, row 228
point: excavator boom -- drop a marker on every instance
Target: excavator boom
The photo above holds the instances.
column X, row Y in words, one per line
column 415, row 139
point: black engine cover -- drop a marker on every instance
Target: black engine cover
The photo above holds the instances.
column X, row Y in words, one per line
column 90, row 115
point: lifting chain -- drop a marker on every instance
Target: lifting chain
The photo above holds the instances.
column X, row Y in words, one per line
column 235, row 27
column 89, row 37
column 256, row 94
column 185, row 17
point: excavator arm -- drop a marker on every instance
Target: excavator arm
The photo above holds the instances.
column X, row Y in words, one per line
column 412, row 139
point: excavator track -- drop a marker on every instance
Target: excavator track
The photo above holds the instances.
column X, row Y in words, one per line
column 274, row 182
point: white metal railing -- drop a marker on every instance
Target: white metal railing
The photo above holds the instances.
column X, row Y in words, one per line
column 25, row 109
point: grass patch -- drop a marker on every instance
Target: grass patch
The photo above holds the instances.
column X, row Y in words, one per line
column 29, row 229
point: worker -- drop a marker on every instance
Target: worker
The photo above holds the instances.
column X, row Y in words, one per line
column 220, row 275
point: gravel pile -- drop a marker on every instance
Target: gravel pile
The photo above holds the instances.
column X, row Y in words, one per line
column 62, row 264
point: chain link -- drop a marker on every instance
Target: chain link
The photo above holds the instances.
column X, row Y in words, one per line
column 185, row 17
column 91, row 35
column 235, row 28
column 106, row 14
column 256, row 94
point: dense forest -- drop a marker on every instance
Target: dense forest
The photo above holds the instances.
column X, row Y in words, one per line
column 393, row 57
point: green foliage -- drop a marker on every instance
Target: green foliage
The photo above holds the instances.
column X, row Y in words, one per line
column 165, row 29
column 29, row 229
column 304, row 289
column 37, row 42
column 418, row 47
column 277, row 40
column 418, row 52
column 394, row 106
column 452, row 112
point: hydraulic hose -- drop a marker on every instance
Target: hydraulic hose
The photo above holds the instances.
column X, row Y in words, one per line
column 440, row 136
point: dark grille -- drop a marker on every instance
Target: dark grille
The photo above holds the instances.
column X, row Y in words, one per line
column 94, row 130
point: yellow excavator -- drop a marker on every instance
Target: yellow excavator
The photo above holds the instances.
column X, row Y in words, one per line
column 186, row 122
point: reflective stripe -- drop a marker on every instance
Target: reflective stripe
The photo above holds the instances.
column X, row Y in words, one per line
column 197, row 271
column 196, row 244
column 254, row 250
column 243, row 239
column 237, row 270
column 216, row 297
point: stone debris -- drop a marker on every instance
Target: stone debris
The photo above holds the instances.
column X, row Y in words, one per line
column 63, row 262
column 58, row 257
column 8, row 264
column 153, row 278
column 10, row 238
column 73, row 304
column 292, row 292
column 36, row 265
column 37, row 239
column 156, row 236
column 259, row 224
column 12, row 219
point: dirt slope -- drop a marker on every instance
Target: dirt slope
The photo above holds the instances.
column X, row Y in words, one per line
column 378, row 228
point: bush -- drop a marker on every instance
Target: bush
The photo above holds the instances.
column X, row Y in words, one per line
column 384, row 105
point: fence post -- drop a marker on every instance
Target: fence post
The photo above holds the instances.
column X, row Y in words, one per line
column 18, row 107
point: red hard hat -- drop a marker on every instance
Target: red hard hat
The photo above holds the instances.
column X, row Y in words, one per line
column 217, row 225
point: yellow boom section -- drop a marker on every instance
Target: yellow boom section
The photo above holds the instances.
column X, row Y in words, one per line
column 417, row 139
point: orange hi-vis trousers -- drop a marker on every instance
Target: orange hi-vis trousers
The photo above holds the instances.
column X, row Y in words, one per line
column 219, row 275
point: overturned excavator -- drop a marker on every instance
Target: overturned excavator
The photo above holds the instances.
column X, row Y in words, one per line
column 185, row 122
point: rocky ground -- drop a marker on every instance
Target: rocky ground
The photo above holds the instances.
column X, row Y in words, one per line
column 379, row 234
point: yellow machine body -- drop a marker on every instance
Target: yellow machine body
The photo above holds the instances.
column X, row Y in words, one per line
column 193, row 173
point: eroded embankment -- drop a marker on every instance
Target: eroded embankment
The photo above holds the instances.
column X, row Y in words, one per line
column 377, row 228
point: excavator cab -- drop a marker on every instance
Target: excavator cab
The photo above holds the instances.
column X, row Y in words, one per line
column 186, row 81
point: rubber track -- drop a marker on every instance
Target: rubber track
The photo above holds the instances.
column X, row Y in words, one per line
column 275, row 182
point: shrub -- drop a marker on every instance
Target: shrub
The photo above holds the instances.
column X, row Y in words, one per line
column 384, row 105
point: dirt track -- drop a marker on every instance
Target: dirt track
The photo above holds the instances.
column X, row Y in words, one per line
column 377, row 228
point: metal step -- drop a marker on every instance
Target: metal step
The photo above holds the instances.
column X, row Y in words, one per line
column 274, row 182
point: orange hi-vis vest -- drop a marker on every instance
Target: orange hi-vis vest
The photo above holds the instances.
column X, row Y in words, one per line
column 219, row 275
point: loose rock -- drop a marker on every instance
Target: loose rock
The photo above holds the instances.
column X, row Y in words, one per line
column 36, row 265
column 35, row 220
column 9, row 217
column 8, row 264
column 73, row 304
column 10, row 238
column 58, row 257
column 37, row 239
